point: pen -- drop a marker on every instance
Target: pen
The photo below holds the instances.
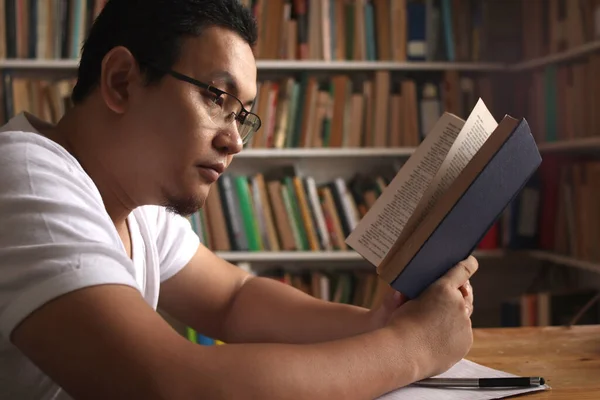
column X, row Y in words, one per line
column 483, row 382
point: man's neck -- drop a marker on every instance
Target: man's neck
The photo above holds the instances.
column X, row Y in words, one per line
column 84, row 135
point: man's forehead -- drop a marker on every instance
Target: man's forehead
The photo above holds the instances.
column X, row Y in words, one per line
column 238, row 85
column 223, row 56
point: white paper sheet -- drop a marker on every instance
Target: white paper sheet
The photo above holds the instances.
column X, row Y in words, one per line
column 463, row 369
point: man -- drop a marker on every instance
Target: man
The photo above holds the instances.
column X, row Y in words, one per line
column 90, row 234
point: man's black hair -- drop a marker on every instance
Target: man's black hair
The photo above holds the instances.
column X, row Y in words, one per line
column 152, row 30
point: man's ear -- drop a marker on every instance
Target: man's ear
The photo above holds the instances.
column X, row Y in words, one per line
column 120, row 71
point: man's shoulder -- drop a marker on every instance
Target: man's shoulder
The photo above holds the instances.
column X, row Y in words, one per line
column 21, row 147
column 39, row 176
column 28, row 158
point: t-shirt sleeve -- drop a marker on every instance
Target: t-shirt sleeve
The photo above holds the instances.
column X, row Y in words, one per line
column 55, row 235
column 176, row 241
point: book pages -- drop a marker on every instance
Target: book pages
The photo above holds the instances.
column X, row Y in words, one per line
column 477, row 129
column 463, row 369
column 381, row 226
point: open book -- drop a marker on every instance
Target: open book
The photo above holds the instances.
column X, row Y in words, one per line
column 445, row 197
column 462, row 369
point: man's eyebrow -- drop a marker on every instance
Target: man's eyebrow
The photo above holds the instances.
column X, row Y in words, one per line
column 230, row 82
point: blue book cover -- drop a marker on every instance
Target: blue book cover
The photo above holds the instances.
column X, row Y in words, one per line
column 32, row 29
column 204, row 340
column 370, row 31
column 448, row 30
column 470, row 206
column 416, row 32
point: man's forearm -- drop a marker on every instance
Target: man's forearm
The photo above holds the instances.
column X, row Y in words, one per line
column 360, row 367
column 265, row 310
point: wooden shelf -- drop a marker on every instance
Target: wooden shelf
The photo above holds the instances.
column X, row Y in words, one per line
column 565, row 260
column 574, row 146
column 326, row 153
column 314, row 256
column 563, row 146
column 557, row 58
column 352, row 66
column 290, row 65
column 289, row 256
column 316, row 65
column 32, row 64
column 337, row 259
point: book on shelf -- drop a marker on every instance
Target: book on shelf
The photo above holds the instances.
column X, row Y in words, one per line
column 550, row 27
column 47, row 99
column 383, row 30
column 43, row 29
column 357, row 287
column 284, row 210
column 569, row 224
column 301, row 111
column 344, row 111
column 552, row 307
column 446, row 197
column 400, row 30
column 562, row 100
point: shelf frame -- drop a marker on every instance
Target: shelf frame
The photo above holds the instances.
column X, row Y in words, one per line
column 292, row 65
column 325, row 152
column 565, row 260
column 316, row 256
column 586, row 144
column 557, row 58
column 353, row 66
column 318, row 65
column 335, row 260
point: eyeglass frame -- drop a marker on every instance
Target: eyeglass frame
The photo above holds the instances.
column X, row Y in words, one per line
column 240, row 117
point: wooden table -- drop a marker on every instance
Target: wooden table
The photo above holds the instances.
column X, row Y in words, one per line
column 568, row 358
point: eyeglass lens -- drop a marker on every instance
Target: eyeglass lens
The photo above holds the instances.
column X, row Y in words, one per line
column 224, row 108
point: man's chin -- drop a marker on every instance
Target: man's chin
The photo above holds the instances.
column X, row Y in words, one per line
column 184, row 206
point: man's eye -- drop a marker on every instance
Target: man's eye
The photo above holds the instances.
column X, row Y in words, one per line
column 213, row 98
column 218, row 100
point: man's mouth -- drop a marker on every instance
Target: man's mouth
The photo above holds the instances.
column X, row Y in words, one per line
column 211, row 172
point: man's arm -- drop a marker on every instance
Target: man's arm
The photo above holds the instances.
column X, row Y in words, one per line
column 226, row 303
column 105, row 342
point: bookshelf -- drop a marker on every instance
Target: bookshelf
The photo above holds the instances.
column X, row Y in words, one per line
column 314, row 153
column 294, row 65
column 579, row 145
column 565, row 260
column 340, row 258
column 485, row 71
column 581, row 51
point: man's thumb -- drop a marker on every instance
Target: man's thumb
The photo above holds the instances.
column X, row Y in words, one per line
column 463, row 271
column 394, row 299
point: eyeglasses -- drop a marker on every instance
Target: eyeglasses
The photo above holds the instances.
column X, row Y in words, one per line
column 223, row 108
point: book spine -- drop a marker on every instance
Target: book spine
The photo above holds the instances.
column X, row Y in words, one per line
column 248, row 222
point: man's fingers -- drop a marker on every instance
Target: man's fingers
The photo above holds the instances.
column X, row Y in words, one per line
column 467, row 292
column 468, row 309
column 462, row 272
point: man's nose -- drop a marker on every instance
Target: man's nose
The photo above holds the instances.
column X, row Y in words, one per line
column 228, row 140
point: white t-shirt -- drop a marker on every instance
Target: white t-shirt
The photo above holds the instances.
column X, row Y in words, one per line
column 56, row 237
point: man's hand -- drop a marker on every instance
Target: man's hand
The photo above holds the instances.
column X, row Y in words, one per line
column 440, row 320
column 379, row 317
